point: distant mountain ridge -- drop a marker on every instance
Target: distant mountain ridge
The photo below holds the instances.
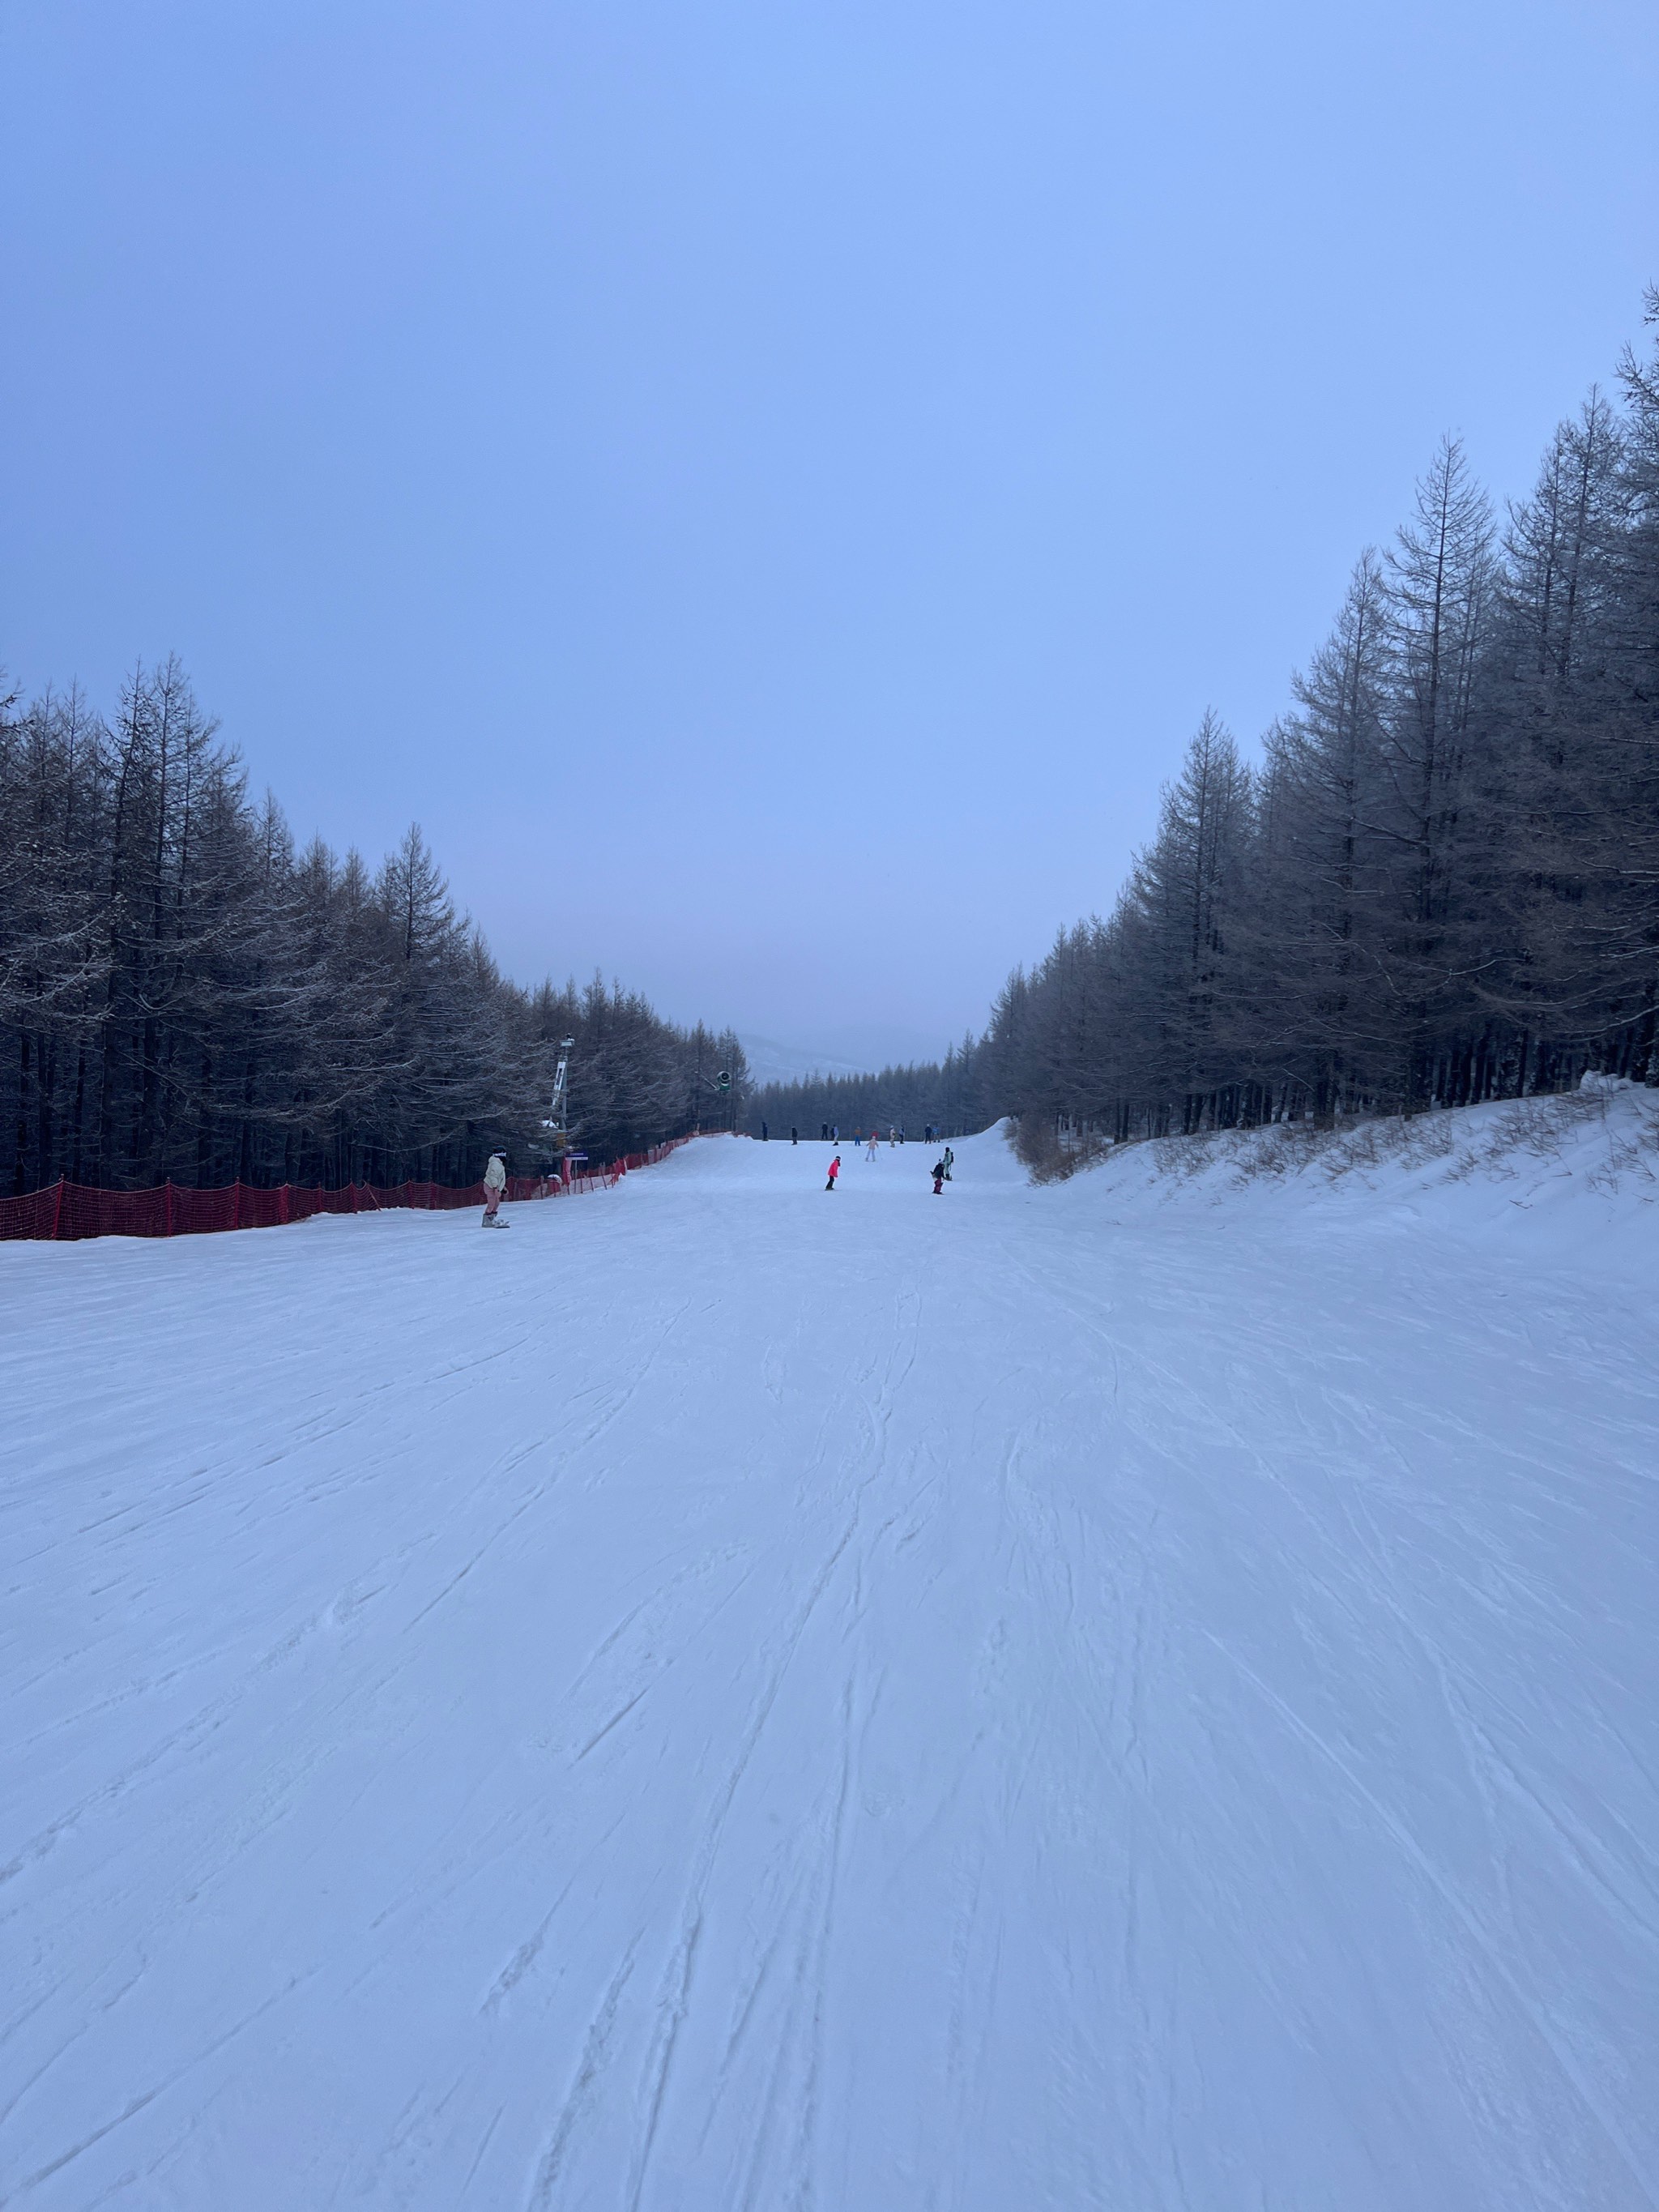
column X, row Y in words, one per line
column 844, row 1051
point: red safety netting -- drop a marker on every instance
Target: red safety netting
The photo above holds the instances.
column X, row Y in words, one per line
column 68, row 1211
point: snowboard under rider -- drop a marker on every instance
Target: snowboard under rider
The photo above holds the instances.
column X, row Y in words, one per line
column 495, row 1182
column 835, row 1169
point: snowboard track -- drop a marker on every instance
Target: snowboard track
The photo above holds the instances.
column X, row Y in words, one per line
column 739, row 1704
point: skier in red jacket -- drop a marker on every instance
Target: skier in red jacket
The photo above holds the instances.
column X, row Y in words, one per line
column 835, row 1169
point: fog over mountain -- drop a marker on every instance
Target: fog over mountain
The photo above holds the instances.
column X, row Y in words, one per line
column 838, row 1051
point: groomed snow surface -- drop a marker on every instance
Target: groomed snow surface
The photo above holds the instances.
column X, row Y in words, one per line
column 1138, row 1693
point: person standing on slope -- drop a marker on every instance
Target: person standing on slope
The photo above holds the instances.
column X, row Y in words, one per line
column 835, row 1169
column 495, row 1182
column 950, row 1162
column 871, row 1154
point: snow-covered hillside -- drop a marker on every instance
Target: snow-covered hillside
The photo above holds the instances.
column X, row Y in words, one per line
column 1585, row 1166
column 1138, row 1693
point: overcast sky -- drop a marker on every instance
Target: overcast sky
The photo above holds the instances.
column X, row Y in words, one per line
column 772, row 487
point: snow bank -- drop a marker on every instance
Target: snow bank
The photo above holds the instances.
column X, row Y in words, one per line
column 1583, row 1168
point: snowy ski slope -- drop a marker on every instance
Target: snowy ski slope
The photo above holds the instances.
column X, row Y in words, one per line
column 1136, row 1694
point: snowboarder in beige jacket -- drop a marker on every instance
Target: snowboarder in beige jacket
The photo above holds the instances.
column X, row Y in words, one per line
column 495, row 1182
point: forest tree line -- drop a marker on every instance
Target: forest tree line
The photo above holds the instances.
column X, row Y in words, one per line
column 1440, row 885
column 943, row 1095
column 185, row 994
column 1441, row 882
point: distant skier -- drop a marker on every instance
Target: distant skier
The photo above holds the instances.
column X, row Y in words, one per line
column 762, row 1133
column 495, row 1182
column 823, row 1133
column 938, row 1177
column 874, row 1136
column 835, row 1169
column 950, row 1162
column 794, row 1134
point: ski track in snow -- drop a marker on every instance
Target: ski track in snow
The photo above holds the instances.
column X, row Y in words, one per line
column 739, row 1698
